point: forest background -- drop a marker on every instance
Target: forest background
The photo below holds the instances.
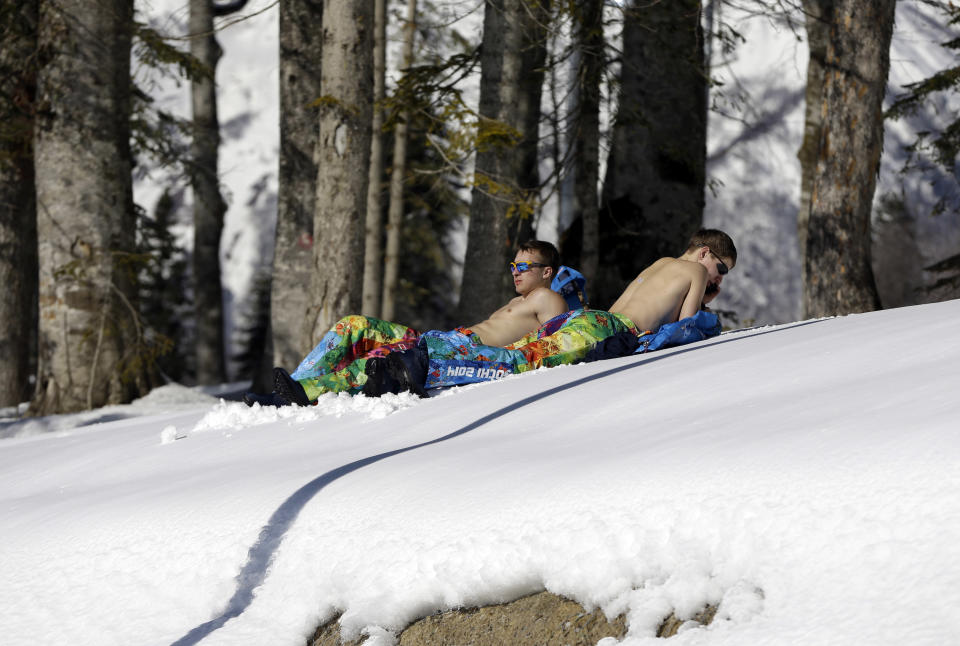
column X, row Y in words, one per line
column 614, row 129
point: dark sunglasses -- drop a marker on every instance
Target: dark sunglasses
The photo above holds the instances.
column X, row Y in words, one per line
column 722, row 268
column 521, row 267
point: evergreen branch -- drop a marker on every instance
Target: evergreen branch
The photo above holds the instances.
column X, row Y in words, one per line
column 154, row 50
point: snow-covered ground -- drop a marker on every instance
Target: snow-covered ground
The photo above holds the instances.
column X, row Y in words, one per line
column 806, row 477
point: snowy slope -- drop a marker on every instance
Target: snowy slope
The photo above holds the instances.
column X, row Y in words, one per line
column 804, row 476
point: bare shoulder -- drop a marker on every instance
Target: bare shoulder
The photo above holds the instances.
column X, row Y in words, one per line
column 686, row 267
column 656, row 267
column 662, row 262
column 546, row 303
column 544, row 296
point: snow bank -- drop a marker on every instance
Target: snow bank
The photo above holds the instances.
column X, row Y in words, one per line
column 803, row 477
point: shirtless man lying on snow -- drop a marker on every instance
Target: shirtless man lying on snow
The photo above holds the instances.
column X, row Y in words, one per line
column 674, row 288
column 533, row 269
column 338, row 362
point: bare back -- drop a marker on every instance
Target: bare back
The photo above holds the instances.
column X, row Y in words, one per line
column 664, row 292
column 521, row 315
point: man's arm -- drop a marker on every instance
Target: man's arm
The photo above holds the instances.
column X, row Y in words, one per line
column 694, row 297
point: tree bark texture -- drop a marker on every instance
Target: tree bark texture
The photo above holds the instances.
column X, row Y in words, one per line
column 85, row 207
column 839, row 279
column 301, row 48
column 208, row 204
column 18, row 217
column 398, row 171
column 373, row 247
column 653, row 190
column 513, row 52
column 818, row 14
column 589, row 36
column 344, row 123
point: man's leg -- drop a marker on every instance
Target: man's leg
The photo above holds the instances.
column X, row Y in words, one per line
column 458, row 357
column 351, row 377
column 571, row 342
column 337, row 363
column 455, row 358
column 351, row 338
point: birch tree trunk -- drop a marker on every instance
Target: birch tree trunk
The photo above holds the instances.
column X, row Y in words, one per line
column 653, row 190
column 343, row 156
column 839, row 278
column 372, row 250
column 18, row 216
column 589, row 37
column 398, row 172
column 208, row 205
column 301, row 25
column 511, row 82
column 84, row 206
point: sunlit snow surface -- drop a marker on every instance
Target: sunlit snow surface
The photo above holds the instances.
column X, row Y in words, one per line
column 805, row 477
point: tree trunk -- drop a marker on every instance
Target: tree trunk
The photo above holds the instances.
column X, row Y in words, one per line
column 398, row 172
column 301, row 25
column 208, row 205
column 839, row 279
column 511, row 82
column 344, row 122
column 18, row 216
column 653, row 190
column 589, row 36
column 372, row 250
column 85, row 207
column 818, row 14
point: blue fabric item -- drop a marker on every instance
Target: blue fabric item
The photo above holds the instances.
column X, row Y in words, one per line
column 698, row 327
column 571, row 285
column 456, row 358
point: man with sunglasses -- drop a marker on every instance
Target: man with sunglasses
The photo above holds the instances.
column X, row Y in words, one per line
column 533, row 269
column 339, row 363
column 674, row 288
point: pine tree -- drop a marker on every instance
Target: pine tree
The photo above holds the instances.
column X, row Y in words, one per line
column 343, row 154
column 18, row 218
column 391, row 261
column 506, row 178
column 301, row 49
column 943, row 146
column 653, row 192
column 588, row 26
column 838, row 276
column 164, row 287
column 90, row 334
column 208, row 205
column 373, row 234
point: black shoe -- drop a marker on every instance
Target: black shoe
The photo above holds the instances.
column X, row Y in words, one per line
column 273, row 399
column 379, row 379
column 286, row 387
column 409, row 369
